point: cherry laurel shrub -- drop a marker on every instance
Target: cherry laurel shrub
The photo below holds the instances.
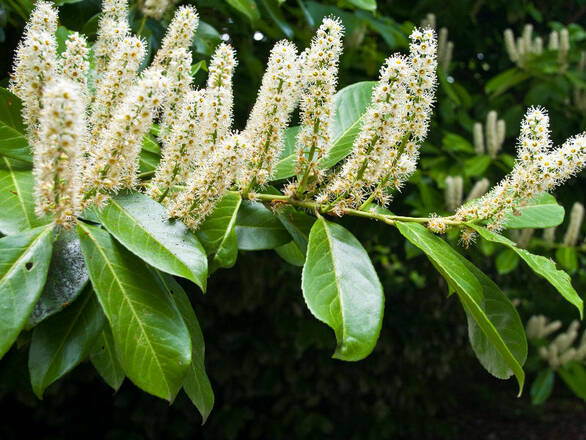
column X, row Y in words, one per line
column 118, row 177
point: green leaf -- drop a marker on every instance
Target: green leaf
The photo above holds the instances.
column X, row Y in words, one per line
column 503, row 315
column 140, row 224
column 151, row 339
column 246, row 7
column 567, row 258
column 65, row 281
column 105, row 359
column 542, row 386
column 206, row 39
column 272, row 7
column 506, row 261
column 542, row 211
column 489, row 311
column 24, row 262
column 258, row 228
column 341, row 289
column 367, row 5
column 505, row 80
column 218, row 233
column 540, row 265
column 149, row 143
column 476, row 166
column 17, row 206
column 291, row 253
column 574, row 375
column 63, row 341
column 350, row 104
column 13, row 141
column 197, row 384
column 298, row 224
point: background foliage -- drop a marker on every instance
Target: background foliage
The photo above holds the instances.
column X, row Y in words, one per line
column 267, row 358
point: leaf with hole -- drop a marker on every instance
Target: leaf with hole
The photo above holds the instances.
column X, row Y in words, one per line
column 24, row 262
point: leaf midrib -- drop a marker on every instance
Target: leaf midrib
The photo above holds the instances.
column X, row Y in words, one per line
column 26, row 251
column 67, row 333
column 230, row 226
column 142, row 228
column 338, row 296
column 18, row 192
column 139, row 322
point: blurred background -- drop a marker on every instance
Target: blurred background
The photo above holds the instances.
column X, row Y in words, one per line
column 267, row 357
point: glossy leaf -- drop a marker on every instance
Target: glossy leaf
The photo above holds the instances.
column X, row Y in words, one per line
column 65, row 281
column 342, row 289
column 540, row 265
column 140, row 224
column 505, row 80
column 218, row 233
column 13, row 141
column 197, row 384
column 503, row 315
column 367, row 5
column 150, row 336
column 542, row 386
column 506, row 261
column 24, row 262
column 246, row 7
column 540, row 212
column 298, row 224
column 482, row 301
column 105, row 359
column 350, row 104
column 17, row 206
column 258, row 228
column 567, row 257
column 291, row 253
column 63, row 341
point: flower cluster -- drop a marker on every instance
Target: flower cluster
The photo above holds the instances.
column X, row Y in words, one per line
column 522, row 48
column 560, row 351
column 270, row 115
column 491, row 140
column 61, row 132
column 386, row 150
column 35, row 64
column 210, row 182
column 319, row 77
column 86, row 138
column 156, row 8
column 445, row 48
column 539, row 168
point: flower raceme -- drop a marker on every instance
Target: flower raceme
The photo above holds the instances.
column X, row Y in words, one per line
column 105, row 120
column 539, row 168
column 204, row 157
